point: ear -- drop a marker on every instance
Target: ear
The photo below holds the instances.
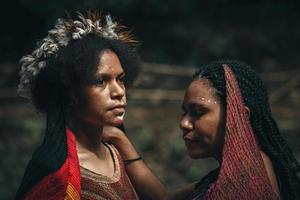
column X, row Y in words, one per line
column 247, row 110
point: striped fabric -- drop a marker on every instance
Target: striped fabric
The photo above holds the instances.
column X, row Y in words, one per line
column 65, row 181
column 62, row 184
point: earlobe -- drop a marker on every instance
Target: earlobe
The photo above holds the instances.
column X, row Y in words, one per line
column 247, row 111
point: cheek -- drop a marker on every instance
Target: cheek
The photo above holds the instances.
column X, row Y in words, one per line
column 96, row 107
column 95, row 102
column 205, row 129
column 210, row 139
column 209, row 130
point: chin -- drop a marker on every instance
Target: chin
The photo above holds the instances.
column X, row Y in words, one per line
column 194, row 156
column 197, row 154
column 116, row 122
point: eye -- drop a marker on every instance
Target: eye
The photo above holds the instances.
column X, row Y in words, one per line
column 121, row 79
column 196, row 113
column 100, row 82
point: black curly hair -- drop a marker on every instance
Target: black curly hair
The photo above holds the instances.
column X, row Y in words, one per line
column 268, row 136
column 51, row 92
column 74, row 65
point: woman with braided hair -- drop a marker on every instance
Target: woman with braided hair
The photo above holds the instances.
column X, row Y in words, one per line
column 78, row 76
column 255, row 162
column 226, row 115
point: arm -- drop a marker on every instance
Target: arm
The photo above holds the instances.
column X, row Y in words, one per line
column 144, row 181
column 181, row 193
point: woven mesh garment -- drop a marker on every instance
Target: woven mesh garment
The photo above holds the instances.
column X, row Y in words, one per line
column 242, row 174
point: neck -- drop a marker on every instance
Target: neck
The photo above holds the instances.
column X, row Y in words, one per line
column 88, row 136
column 218, row 154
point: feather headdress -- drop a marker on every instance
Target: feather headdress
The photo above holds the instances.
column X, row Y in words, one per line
column 63, row 32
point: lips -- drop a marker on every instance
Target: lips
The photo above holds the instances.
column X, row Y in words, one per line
column 118, row 109
column 118, row 112
column 190, row 140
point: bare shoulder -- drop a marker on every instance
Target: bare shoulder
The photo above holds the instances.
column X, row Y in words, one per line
column 270, row 171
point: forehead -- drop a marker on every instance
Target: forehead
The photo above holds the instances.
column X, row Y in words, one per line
column 109, row 63
column 200, row 90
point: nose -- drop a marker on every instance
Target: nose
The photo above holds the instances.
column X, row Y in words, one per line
column 117, row 90
column 186, row 124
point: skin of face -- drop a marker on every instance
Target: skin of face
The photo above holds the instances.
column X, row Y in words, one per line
column 103, row 101
column 202, row 122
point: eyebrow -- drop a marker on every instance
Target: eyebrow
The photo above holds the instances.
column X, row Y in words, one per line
column 194, row 105
column 122, row 74
column 100, row 75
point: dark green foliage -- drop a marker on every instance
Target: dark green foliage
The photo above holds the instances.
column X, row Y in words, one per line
column 18, row 140
column 193, row 32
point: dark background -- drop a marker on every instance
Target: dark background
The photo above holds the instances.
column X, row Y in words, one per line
column 173, row 33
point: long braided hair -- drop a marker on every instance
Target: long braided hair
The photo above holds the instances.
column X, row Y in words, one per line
column 266, row 132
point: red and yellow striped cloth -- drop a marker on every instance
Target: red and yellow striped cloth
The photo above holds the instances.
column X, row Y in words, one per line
column 64, row 184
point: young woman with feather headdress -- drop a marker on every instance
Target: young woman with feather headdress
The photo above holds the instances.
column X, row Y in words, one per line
column 77, row 76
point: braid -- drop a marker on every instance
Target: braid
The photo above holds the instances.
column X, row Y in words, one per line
column 255, row 97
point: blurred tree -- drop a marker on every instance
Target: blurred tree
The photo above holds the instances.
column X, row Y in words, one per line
column 176, row 32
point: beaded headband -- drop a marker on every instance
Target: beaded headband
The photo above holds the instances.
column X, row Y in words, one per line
column 63, row 32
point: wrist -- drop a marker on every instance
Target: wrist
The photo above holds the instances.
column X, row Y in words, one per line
column 128, row 161
column 125, row 148
column 120, row 141
column 127, row 151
